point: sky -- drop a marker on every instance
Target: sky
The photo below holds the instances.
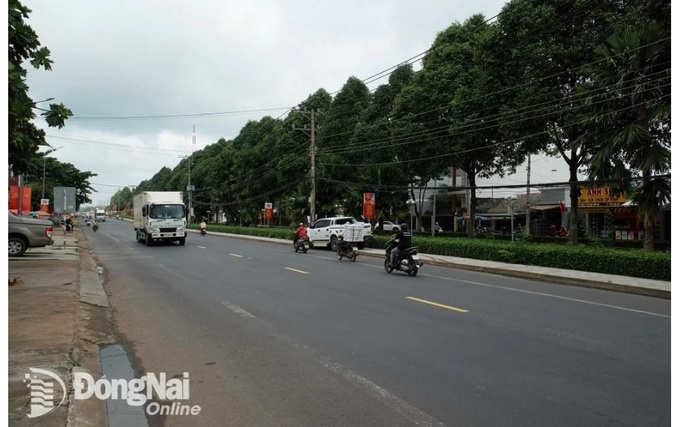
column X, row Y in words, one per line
column 138, row 75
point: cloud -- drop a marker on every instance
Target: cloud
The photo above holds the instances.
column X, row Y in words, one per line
column 166, row 58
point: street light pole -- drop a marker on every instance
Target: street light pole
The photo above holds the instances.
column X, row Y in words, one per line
column 44, row 164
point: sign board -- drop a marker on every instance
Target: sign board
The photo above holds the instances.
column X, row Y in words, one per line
column 600, row 196
column 64, row 200
column 369, row 205
column 14, row 199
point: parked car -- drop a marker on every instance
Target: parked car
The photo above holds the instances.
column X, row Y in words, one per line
column 27, row 233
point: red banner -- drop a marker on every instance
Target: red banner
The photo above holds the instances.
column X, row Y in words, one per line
column 369, row 205
column 268, row 211
column 14, row 199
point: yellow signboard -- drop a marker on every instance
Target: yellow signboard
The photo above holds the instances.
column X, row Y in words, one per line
column 600, row 196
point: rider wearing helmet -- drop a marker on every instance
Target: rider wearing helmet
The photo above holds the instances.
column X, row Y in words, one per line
column 300, row 232
column 403, row 238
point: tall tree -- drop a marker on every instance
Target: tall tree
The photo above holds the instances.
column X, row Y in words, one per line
column 449, row 113
column 549, row 45
column 24, row 138
column 337, row 156
column 631, row 103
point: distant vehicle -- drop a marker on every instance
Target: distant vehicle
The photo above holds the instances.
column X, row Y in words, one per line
column 388, row 226
column 100, row 215
column 160, row 215
column 27, row 233
column 327, row 230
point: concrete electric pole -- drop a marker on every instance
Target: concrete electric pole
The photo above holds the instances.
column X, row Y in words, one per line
column 312, row 197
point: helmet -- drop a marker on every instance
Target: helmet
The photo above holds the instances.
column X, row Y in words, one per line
column 404, row 227
column 302, row 225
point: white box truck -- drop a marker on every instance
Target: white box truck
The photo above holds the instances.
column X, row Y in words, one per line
column 100, row 215
column 160, row 215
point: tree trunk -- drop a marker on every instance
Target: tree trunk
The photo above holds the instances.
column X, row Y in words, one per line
column 473, row 205
column 648, row 244
column 574, row 193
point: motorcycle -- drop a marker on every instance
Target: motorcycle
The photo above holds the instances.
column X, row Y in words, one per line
column 302, row 244
column 95, row 227
column 203, row 232
column 345, row 249
column 88, row 222
column 408, row 260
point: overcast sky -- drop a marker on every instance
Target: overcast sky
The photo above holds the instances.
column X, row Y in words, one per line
column 118, row 62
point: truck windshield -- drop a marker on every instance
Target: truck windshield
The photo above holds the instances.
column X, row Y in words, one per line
column 166, row 212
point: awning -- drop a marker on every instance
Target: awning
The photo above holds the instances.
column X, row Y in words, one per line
column 545, row 207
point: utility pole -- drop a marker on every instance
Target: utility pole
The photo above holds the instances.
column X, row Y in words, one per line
column 189, row 187
column 312, row 198
column 528, row 213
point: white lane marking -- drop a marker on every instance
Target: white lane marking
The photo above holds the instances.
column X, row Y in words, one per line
column 237, row 255
column 397, row 404
column 616, row 307
column 113, row 238
column 297, row 271
column 238, row 310
column 202, row 247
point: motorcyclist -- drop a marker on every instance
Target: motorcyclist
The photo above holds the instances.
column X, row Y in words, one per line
column 300, row 232
column 403, row 241
column 202, row 227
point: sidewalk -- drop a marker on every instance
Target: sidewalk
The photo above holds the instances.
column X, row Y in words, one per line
column 57, row 313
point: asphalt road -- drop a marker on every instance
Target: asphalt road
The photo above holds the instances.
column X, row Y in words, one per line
column 274, row 337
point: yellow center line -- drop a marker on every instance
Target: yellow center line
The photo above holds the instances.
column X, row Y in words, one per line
column 237, row 255
column 436, row 304
column 297, row 271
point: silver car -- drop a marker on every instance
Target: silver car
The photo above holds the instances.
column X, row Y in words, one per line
column 27, row 233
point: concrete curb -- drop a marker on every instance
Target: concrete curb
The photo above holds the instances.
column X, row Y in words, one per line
column 89, row 336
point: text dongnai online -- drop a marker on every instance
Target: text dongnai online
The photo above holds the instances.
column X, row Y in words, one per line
column 139, row 391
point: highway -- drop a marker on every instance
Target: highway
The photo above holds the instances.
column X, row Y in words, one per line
column 271, row 337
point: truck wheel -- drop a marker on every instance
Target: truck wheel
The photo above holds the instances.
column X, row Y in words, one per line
column 334, row 243
column 360, row 245
column 17, row 246
column 148, row 239
column 182, row 241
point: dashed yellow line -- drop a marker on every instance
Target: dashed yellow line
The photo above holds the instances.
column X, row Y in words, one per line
column 237, row 255
column 297, row 271
column 436, row 304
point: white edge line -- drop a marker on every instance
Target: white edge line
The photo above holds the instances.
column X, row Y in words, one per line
column 551, row 296
column 238, row 310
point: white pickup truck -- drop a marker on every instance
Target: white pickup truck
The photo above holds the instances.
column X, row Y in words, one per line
column 326, row 230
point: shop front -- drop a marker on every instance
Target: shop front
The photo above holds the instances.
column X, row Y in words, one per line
column 609, row 215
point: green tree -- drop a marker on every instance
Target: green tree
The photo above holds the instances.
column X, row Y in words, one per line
column 338, row 153
column 447, row 114
column 24, row 138
column 631, row 103
column 548, row 46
